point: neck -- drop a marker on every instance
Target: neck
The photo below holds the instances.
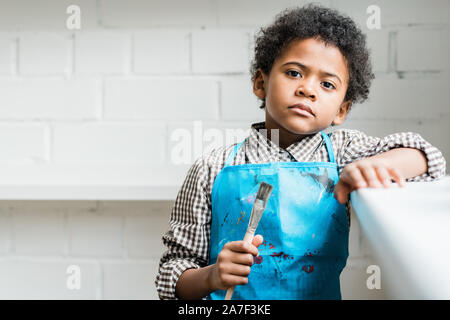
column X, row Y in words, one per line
column 286, row 138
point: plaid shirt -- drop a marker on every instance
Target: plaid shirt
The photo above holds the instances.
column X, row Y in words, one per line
column 187, row 239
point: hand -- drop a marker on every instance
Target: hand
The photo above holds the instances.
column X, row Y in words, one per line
column 369, row 172
column 233, row 263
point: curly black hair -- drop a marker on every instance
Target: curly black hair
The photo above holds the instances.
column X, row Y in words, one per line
column 322, row 23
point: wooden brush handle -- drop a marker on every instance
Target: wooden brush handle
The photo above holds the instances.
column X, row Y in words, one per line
column 247, row 238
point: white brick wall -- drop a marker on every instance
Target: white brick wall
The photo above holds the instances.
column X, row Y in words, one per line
column 432, row 52
column 252, row 13
column 42, row 279
column 30, row 143
column 102, row 52
column 111, row 94
column 43, row 54
column 7, row 50
column 399, row 12
column 35, row 99
column 117, row 246
column 112, row 143
column 165, row 98
column 402, row 99
column 46, row 15
column 162, row 52
column 219, row 51
column 156, row 14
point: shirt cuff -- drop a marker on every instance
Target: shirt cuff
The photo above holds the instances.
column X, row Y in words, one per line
column 178, row 267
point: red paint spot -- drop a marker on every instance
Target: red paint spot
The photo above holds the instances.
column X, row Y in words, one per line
column 271, row 246
column 308, row 268
column 281, row 254
column 257, row 259
column 276, row 254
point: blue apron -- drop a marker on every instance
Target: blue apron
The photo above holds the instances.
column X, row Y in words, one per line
column 305, row 228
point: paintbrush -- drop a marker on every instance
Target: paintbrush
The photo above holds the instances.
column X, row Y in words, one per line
column 258, row 208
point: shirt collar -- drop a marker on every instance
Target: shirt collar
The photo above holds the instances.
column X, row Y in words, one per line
column 301, row 150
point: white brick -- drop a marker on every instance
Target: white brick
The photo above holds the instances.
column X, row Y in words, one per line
column 101, row 52
column 161, row 99
column 168, row 13
column 165, row 51
column 109, row 144
column 43, row 53
column 130, row 280
column 22, row 144
column 44, row 15
column 24, row 278
column 405, row 99
column 143, row 235
column 378, row 44
column 423, row 50
column 95, row 235
column 6, row 54
column 397, row 12
column 239, row 102
column 253, row 12
column 39, row 232
column 220, row 51
column 50, row 99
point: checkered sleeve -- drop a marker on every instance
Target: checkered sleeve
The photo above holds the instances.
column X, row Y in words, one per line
column 187, row 239
column 358, row 145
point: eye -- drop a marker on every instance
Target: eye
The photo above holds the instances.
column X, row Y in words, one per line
column 293, row 73
column 331, row 86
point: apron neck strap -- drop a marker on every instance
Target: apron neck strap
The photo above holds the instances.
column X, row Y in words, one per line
column 232, row 154
column 329, row 146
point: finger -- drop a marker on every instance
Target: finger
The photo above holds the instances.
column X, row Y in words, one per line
column 371, row 176
column 242, row 259
column 257, row 240
column 353, row 177
column 398, row 177
column 341, row 192
column 242, row 247
column 239, row 269
column 233, row 280
column 383, row 175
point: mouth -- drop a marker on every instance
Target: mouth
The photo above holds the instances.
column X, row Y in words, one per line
column 302, row 109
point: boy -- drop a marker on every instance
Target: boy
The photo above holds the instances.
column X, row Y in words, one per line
column 310, row 65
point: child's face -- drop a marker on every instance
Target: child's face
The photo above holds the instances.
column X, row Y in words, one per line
column 302, row 75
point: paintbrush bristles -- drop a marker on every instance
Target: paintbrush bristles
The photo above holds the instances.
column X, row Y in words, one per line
column 259, row 205
column 264, row 191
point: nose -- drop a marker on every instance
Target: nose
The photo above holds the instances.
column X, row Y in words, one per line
column 306, row 90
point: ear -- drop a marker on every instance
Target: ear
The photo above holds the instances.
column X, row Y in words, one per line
column 259, row 84
column 342, row 112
